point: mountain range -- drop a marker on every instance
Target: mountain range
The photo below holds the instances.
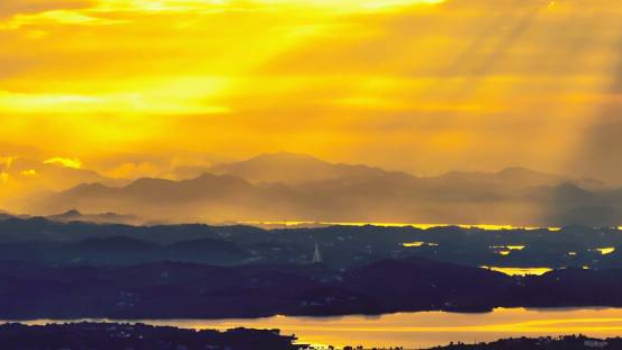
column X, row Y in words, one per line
column 293, row 187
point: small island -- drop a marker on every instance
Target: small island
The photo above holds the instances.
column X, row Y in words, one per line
column 113, row 336
column 544, row 343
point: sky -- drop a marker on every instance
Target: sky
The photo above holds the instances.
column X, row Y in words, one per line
column 129, row 87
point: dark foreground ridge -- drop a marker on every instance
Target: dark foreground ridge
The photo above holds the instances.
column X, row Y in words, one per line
column 113, row 336
column 182, row 290
column 82, row 270
column 546, row 343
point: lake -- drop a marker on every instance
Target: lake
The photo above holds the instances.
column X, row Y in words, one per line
column 422, row 329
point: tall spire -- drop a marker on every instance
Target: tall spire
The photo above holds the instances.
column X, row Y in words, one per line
column 317, row 256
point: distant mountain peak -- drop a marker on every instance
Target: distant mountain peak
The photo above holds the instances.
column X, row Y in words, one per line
column 282, row 157
column 285, row 154
column 516, row 169
column 294, row 169
column 72, row 212
column 571, row 188
column 147, row 181
column 88, row 188
column 523, row 171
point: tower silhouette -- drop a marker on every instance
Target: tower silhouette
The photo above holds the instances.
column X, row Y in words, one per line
column 317, row 256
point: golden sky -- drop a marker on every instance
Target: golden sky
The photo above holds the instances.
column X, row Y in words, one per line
column 419, row 85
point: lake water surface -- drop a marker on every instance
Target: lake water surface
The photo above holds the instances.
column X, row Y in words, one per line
column 422, row 329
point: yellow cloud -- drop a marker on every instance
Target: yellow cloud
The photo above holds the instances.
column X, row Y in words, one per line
column 398, row 83
column 94, row 13
column 73, row 163
column 233, row 5
column 56, row 16
column 187, row 95
column 29, row 173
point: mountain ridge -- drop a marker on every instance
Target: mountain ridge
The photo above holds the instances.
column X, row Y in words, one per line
column 346, row 193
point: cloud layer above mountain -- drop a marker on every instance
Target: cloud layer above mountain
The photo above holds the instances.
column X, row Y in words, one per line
column 422, row 86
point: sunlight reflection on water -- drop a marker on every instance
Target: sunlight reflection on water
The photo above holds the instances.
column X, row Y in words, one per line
column 424, row 329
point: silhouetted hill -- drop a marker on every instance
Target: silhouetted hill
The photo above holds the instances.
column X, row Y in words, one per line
column 158, row 199
column 182, row 290
column 118, row 244
column 569, row 204
column 516, row 177
column 207, row 251
column 543, row 343
column 435, row 283
column 105, row 218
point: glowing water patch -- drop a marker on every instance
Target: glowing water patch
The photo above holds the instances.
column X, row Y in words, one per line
column 419, row 244
column 486, row 227
column 419, row 330
column 501, row 248
column 605, row 251
column 520, row 271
